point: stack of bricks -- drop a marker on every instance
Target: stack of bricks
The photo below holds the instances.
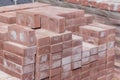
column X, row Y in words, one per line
column 44, row 45
column 104, row 37
column 17, row 44
column 62, row 18
column 19, row 52
column 101, row 4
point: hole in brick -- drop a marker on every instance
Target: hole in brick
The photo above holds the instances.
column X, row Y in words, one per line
column 22, row 37
column 13, row 35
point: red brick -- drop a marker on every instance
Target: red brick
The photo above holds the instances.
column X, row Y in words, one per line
column 80, row 21
column 56, row 48
column 66, row 75
column 3, row 31
column 56, row 56
column 55, row 64
column 1, row 45
column 76, row 72
column 54, row 23
column 21, row 34
column 101, row 67
column 54, row 37
column 28, row 18
column 109, row 76
column 67, row 52
column 42, row 75
column 77, row 50
column 27, row 76
column 111, row 44
column 93, row 58
column 67, row 36
column 110, row 29
column 43, row 66
column 110, row 64
column 85, row 60
column 66, row 60
column 93, row 48
column 76, row 65
column 55, row 72
column 94, row 31
column 85, row 74
column 41, row 39
column 18, row 59
column 57, row 77
column 19, row 49
column 76, row 57
column 89, row 18
column 85, row 67
column 102, row 47
column 110, row 70
column 42, row 58
column 66, row 68
column 67, row 44
column 43, row 50
column 1, row 60
column 76, row 40
column 17, row 68
column 8, row 17
column 1, row 53
column 102, row 78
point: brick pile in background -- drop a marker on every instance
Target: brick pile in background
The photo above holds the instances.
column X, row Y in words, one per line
column 102, row 4
column 62, row 45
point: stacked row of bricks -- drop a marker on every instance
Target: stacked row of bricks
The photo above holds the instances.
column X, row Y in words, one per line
column 101, row 4
column 43, row 42
column 117, row 51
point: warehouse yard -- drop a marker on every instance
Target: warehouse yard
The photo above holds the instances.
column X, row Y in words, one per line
column 41, row 41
